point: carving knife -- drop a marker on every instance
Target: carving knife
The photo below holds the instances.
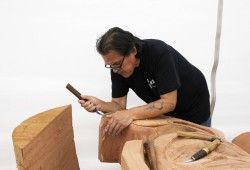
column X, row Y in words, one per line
column 203, row 152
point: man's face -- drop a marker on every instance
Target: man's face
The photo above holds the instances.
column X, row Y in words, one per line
column 123, row 65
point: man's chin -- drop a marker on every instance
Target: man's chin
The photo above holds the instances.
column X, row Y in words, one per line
column 126, row 75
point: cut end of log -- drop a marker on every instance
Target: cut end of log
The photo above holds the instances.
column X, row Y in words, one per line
column 46, row 141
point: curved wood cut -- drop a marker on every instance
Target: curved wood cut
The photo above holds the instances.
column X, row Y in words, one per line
column 46, row 141
column 172, row 150
column 242, row 141
column 133, row 156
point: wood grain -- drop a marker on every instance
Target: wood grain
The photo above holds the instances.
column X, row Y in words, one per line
column 46, row 141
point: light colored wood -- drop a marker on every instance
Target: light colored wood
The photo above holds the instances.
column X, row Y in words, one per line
column 46, row 141
column 171, row 152
column 110, row 147
column 133, row 156
column 213, row 145
column 243, row 141
column 194, row 135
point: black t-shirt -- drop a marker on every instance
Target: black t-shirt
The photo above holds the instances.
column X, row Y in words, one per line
column 162, row 69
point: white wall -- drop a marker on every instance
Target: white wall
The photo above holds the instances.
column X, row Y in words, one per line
column 46, row 44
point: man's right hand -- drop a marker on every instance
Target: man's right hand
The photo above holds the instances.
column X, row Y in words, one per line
column 90, row 103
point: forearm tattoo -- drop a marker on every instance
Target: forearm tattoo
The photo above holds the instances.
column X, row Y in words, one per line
column 156, row 105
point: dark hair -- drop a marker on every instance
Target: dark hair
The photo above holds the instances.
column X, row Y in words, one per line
column 118, row 40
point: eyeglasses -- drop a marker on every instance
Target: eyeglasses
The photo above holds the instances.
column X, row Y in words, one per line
column 115, row 66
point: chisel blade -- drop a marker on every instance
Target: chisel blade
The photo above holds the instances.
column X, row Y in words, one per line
column 188, row 160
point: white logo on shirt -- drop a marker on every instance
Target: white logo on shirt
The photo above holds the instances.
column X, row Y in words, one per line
column 151, row 83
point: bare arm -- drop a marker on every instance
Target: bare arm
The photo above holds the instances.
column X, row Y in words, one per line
column 94, row 103
column 121, row 119
column 165, row 104
column 115, row 105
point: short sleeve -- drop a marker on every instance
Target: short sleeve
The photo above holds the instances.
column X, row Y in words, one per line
column 167, row 76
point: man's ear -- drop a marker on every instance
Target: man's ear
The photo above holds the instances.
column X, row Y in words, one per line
column 134, row 51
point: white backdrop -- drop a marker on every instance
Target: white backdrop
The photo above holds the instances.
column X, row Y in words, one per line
column 46, row 44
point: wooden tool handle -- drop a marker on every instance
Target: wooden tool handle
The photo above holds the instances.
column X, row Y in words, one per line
column 213, row 145
column 74, row 91
column 78, row 95
column 203, row 152
column 150, row 152
column 194, row 135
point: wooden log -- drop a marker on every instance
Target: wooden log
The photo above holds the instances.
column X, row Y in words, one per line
column 46, row 141
column 243, row 141
column 110, row 147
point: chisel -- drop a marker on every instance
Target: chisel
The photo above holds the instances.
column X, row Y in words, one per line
column 78, row 95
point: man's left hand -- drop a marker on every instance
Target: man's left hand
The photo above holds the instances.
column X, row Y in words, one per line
column 117, row 122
